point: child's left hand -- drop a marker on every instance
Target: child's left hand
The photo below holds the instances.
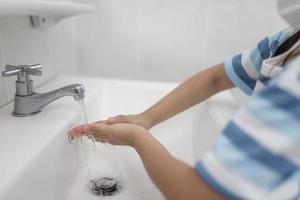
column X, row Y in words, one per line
column 116, row 134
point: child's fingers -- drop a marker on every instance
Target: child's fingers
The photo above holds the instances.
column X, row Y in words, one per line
column 101, row 122
column 79, row 130
column 73, row 133
column 111, row 120
column 116, row 119
column 97, row 128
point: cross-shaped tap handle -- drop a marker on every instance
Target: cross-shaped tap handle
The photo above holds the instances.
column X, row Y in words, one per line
column 22, row 70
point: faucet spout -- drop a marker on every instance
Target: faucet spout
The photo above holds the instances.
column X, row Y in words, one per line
column 32, row 104
column 76, row 90
column 27, row 102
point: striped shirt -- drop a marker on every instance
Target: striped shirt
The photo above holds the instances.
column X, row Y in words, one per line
column 250, row 70
column 257, row 156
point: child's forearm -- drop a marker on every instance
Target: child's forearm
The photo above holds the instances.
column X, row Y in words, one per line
column 174, row 179
column 194, row 90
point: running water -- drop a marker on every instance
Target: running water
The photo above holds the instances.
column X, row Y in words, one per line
column 85, row 142
column 85, row 159
column 89, row 155
column 85, row 121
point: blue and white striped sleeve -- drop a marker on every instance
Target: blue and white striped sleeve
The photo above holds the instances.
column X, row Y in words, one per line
column 244, row 69
column 258, row 154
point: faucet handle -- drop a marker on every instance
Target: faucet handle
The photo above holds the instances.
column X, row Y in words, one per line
column 24, row 85
column 22, row 70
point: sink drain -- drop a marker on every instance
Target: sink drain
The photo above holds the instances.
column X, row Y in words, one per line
column 105, row 186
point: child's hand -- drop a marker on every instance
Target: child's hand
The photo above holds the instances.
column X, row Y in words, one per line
column 116, row 134
column 139, row 119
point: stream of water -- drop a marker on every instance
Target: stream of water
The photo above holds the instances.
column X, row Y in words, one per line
column 88, row 141
column 91, row 155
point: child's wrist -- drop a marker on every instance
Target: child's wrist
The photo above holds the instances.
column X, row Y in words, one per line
column 139, row 138
column 147, row 118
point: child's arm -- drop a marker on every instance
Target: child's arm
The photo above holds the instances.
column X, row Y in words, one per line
column 175, row 179
column 192, row 91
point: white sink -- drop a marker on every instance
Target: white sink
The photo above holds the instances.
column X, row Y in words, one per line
column 37, row 161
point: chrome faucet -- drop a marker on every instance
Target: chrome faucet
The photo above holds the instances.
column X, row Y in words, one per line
column 27, row 102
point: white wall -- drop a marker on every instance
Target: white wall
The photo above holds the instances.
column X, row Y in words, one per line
column 54, row 47
column 141, row 39
column 165, row 40
column 168, row 40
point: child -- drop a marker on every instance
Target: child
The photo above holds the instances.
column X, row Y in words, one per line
column 257, row 156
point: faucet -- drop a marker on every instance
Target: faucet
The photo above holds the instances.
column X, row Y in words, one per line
column 27, row 102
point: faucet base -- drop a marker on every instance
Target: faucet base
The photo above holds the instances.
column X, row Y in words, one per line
column 25, row 115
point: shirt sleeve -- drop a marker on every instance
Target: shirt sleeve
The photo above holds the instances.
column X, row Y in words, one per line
column 244, row 69
column 257, row 156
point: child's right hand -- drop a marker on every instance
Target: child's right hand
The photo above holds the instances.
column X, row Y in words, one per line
column 139, row 119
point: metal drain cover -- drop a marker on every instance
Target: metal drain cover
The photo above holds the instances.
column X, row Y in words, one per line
column 105, row 186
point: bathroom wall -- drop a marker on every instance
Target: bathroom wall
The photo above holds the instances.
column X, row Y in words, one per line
column 163, row 40
column 54, row 47
column 168, row 40
column 141, row 39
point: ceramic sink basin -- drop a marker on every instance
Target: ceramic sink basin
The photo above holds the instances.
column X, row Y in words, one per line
column 37, row 161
